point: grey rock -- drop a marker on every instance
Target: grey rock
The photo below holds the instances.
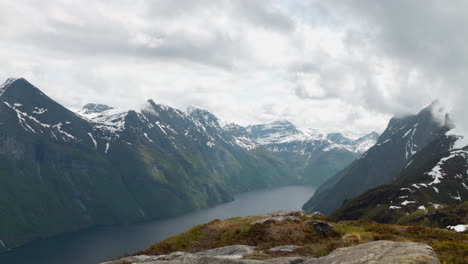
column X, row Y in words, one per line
column 285, row 248
column 322, row 228
column 196, row 259
column 235, row 251
column 382, row 252
column 285, row 260
column 285, row 212
column 172, row 255
column 132, row 259
column 315, row 214
column 276, row 219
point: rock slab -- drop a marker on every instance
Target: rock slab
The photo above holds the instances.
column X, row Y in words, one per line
column 379, row 252
column 382, row 252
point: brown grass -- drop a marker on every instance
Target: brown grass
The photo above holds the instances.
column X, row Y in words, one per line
column 451, row 247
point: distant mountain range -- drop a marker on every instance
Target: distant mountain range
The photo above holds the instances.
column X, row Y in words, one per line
column 283, row 136
column 63, row 171
column 312, row 152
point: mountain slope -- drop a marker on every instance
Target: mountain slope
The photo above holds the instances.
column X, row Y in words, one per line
column 382, row 163
column 435, row 177
column 63, row 171
column 315, row 155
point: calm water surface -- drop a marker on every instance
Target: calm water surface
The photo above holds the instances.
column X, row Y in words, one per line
column 98, row 244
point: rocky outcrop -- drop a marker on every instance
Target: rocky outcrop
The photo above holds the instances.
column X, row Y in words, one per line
column 233, row 252
column 276, row 219
column 383, row 252
column 322, row 228
column 280, row 216
column 285, row 248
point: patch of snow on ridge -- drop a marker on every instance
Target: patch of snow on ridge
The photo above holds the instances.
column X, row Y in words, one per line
column 406, row 202
column 94, row 141
column 245, row 142
column 21, row 119
column 6, row 84
column 161, row 127
column 112, row 120
column 146, row 136
column 458, row 228
column 436, row 173
column 39, row 111
column 59, row 128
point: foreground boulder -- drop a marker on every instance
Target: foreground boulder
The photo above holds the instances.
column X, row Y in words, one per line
column 232, row 252
column 384, row 252
column 322, row 228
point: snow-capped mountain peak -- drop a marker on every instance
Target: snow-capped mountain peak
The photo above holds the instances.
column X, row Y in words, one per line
column 283, row 136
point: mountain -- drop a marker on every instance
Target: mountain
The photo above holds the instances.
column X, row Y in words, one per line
column 64, row 171
column 382, row 163
column 316, row 155
column 435, row 177
column 283, row 136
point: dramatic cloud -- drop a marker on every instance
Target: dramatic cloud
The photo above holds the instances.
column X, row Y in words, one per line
column 426, row 43
column 337, row 65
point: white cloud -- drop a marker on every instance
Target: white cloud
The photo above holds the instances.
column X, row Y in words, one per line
column 321, row 64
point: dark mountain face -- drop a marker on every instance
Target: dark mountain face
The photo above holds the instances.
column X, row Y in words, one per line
column 436, row 175
column 382, row 163
column 63, row 171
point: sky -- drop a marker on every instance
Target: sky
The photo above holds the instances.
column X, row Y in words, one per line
column 346, row 66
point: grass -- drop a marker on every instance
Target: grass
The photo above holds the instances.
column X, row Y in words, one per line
column 451, row 247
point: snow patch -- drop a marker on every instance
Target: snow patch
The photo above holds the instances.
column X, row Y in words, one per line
column 94, row 141
column 149, row 139
column 458, row 228
column 406, row 202
column 39, row 111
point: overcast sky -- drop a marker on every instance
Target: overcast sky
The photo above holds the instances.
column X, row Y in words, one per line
column 337, row 65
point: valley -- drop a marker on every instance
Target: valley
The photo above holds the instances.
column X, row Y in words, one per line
column 102, row 243
column 69, row 171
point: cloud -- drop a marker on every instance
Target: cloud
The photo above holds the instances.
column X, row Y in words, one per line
column 325, row 64
column 426, row 44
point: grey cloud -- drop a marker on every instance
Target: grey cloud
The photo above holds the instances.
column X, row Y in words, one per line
column 220, row 47
column 259, row 13
column 426, row 37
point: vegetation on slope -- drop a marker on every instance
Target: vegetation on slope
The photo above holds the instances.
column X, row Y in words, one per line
column 451, row 247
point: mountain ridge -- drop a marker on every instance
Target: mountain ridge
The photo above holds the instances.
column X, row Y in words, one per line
column 67, row 172
column 400, row 141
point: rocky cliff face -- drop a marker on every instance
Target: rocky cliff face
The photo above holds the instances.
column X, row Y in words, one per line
column 382, row 163
column 433, row 180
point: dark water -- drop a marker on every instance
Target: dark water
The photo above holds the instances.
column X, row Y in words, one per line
column 98, row 244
